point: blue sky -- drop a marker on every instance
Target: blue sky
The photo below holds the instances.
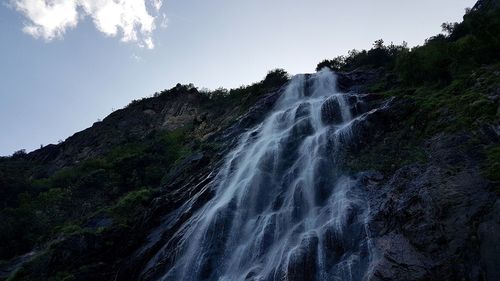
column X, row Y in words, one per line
column 60, row 72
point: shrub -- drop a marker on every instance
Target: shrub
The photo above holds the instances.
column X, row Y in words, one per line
column 379, row 56
column 129, row 207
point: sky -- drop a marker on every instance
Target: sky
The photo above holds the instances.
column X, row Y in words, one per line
column 64, row 64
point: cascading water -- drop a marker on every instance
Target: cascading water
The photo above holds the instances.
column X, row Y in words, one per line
column 283, row 208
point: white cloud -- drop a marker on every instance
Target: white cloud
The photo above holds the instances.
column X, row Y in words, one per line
column 129, row 19
column 157, row 4
column 49, row 19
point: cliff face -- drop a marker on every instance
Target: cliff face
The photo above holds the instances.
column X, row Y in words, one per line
column 435, row 217
column 389, row 174
column 427, row 218
column 177, row 108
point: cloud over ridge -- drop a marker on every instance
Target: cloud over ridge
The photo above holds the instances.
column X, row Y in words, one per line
column 129, row 19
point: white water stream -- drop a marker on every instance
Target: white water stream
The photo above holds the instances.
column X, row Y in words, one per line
column 283, row 209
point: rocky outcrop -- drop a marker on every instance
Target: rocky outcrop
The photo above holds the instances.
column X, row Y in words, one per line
column 427, row 220
column 173, row 109
column 358, row 80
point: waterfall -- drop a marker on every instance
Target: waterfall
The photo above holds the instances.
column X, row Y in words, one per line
column 283, row 209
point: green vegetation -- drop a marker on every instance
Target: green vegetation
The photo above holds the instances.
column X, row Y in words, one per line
column 395, row 150
column 442, row 59
column 119, row 183
column 131, row 205
column 452, row 82
column 450, row 85
column 245, row 96
column 379, row 56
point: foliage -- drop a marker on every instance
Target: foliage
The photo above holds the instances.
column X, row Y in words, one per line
column 379, row 56
column 463, row 47
column 130, row 206
column 38, row 209
column 468, row 45
column 395, row 150
column 451, row 80
column 19, row 153
column 427, row 63
column 245, row 96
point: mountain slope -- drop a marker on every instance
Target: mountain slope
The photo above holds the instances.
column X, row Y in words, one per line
column 101, row 204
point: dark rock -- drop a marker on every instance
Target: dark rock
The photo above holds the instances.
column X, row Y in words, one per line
column 357, row 80
column 6, row 269
column 302, row 111
column 424, row 218
column 302, row 262
column 254, row 115
column 330, row 112
column 490, row 133
column 370, row 177
column 397, row 260
column 99, row 222
column 489, row 236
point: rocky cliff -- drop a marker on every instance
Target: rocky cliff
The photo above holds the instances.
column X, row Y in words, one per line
column 116, row 201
